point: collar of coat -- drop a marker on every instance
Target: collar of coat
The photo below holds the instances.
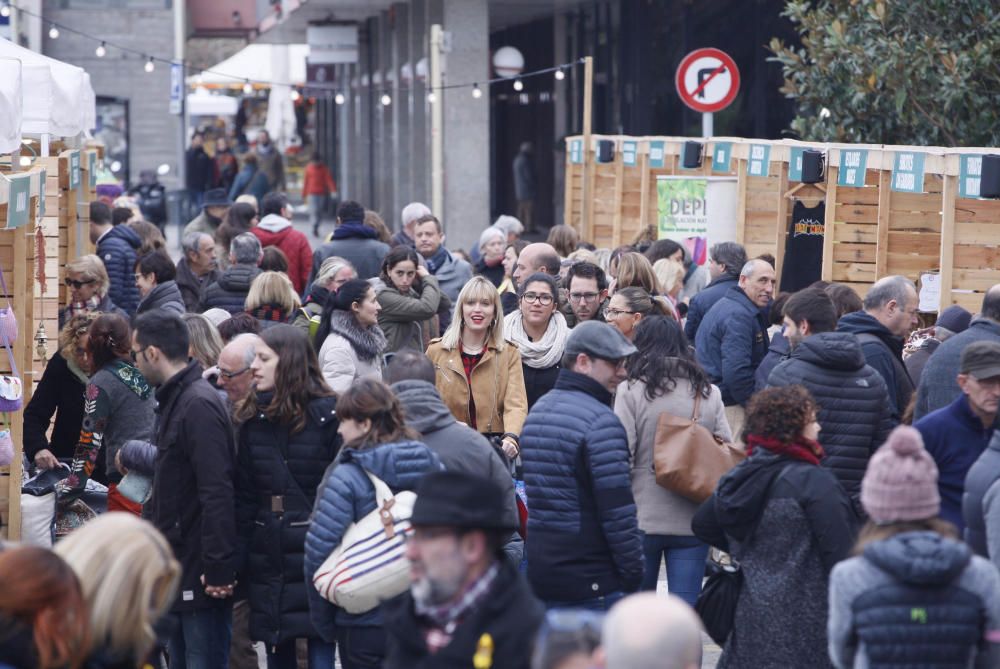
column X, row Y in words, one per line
column 366, row 342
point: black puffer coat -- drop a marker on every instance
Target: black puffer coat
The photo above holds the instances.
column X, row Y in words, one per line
column 852, row 398
column 230, row 291
column 277, row 470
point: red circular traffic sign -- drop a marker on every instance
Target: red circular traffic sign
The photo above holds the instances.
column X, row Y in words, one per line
column 707, row 80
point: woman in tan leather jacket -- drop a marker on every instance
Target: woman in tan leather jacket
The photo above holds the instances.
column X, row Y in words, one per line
column 472, row 353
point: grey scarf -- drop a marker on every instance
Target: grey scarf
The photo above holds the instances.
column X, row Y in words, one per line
column 367, row 343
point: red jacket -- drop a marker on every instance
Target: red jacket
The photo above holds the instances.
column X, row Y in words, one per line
column 276, row 231
column 318, row 180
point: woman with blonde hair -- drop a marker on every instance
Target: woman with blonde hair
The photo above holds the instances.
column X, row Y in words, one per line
column 272, row 299
column 375, row 222
column 206, row 344
column 629, row 306
column 634, row 270
column 88, row 284
column 564, row 239
column 479, row 373
column 129, row 579
column 670, row 274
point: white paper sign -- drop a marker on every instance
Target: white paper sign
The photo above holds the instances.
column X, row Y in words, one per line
column 930, row 292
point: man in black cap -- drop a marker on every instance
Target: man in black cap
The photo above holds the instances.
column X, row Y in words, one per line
column 584, row 549
column 466, row 605
column 214, row 208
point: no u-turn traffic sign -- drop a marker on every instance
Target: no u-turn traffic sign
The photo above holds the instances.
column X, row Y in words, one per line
column 708, row 80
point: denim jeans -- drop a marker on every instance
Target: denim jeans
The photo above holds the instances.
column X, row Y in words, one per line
column 320, row 655
column 361, row 647
column 200, row 639
column 596, row 604
column 315, row 204
column 685, row 558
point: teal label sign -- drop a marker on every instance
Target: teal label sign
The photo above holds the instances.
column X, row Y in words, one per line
column 74, row 169
column 908, row 172
column 41, row 193
column 760, row 160
column 722, row 154
column 853, row 165
column 17, row 205
column 92, row 168
column 576, row 151
column 969, row 171
column 629, row 151
column 657, row 154
column 795, row 162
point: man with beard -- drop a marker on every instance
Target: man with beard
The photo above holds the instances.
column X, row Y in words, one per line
column 466, row 605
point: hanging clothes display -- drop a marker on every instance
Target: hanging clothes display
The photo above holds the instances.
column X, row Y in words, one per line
column 803, row 263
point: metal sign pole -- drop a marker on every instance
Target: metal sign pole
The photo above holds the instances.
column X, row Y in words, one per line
column 707, row 129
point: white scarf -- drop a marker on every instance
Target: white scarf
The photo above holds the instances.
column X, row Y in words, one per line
column 538, row 354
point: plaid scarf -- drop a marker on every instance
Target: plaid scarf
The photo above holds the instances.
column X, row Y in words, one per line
column 440, row 621
column 75, row 308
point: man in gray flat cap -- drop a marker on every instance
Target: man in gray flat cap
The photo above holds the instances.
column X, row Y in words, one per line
column 585, row 549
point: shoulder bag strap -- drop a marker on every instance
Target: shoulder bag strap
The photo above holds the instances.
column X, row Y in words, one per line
column 382, row 492
column 696, row 413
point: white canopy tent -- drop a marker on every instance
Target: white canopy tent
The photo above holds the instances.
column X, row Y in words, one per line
column 203, row 103
column 10, row 105
column 256, row 62
column 57, row 97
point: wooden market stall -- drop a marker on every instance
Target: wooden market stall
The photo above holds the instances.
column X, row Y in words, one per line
column 906, row 210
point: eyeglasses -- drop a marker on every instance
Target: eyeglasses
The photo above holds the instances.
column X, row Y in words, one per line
column 232, row 375
column 544, row 299
column 135, row 354
column 73, row 283
column 137, row 277
column 610, row 312
column 584, row 297
column 614, row 363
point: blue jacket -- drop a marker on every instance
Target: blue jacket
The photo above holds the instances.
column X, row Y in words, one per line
column 731, row 342
column 252, row 181
column 955, row 438
column 777, row 352
column 937, row 385
column 117, row 250
column 703, row 302
column 883, row 352
column 584, row 537
column 346, row 495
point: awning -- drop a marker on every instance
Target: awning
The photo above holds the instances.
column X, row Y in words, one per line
column 255, row 62
column 57, row 97
column 203, row 103
column 10, row 105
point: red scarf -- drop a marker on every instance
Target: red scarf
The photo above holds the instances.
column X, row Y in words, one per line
column 804, row 449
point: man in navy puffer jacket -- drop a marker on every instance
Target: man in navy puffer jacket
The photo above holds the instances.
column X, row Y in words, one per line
column 116, row 247
column 584, row 549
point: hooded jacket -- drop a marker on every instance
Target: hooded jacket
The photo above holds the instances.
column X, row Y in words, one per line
column 408, row 320
column 915, row 599
column 787, row 523
column 702, row 303
column 229, row 292
column 117, row 250
column 346, row 495
column 851, row 398
column 166, row 296
column 884, row 353
column 938, row 387
column 274, row 230
column 731, row 342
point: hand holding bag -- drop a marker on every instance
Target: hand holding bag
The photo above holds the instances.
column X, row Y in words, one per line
column 370, row 566
column 688, row 459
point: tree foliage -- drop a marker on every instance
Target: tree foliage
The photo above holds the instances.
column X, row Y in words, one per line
column 914, row 72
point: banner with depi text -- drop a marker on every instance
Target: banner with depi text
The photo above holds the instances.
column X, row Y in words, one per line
column 696, row 211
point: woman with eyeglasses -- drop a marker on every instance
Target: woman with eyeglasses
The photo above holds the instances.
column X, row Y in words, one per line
column 88, row 285
column 154, row 275
column 60, row 393
column 118, row 407
column 540, row 332
column 479, row 373
column 628, row 306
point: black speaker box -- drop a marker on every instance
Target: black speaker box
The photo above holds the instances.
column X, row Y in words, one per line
column 812, row 166
column 692, row 155
column 605, row 151
column 989, row 179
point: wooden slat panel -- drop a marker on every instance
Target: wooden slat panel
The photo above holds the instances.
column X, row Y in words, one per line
column 846, row 232
column 854, row 272
column 854, row 253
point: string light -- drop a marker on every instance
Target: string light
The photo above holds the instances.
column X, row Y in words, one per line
column 295, row 95
column 518, row 85
column 431, row 98
column 150, row 65
column 477, row 92
column 101, row 51
column 5, row 10
column 339, row 98
column 386, row 100
column 560, row 75
column 247, row 87
column 53, row 32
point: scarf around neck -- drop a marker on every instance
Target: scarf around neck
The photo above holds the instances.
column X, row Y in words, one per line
column 804, row 449
column 436, row 261
column 540, row 354
column 367, row 343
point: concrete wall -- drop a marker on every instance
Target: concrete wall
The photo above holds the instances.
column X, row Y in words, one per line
column 154, row 136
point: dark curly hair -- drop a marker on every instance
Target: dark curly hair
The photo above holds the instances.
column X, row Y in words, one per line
column 780, row 413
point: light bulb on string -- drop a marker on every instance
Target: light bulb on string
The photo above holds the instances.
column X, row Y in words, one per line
column 431, row 97
column 560, row 75
column 518, row 85
column 386, row 100
column 5, row 10
column 150, row 65
column 477, row 92
column 247, row 87
column 53, row 32
column 295, row 95
column 101, row 51
column 339, row 98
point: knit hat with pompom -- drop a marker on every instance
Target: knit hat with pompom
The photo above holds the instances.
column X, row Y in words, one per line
column 901, row 481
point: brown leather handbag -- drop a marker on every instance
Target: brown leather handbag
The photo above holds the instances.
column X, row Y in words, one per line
column 688, row 459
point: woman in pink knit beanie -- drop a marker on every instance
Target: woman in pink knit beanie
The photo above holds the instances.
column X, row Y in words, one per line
column 913, row 595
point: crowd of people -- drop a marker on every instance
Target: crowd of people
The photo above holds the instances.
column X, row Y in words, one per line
column 495, row 422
